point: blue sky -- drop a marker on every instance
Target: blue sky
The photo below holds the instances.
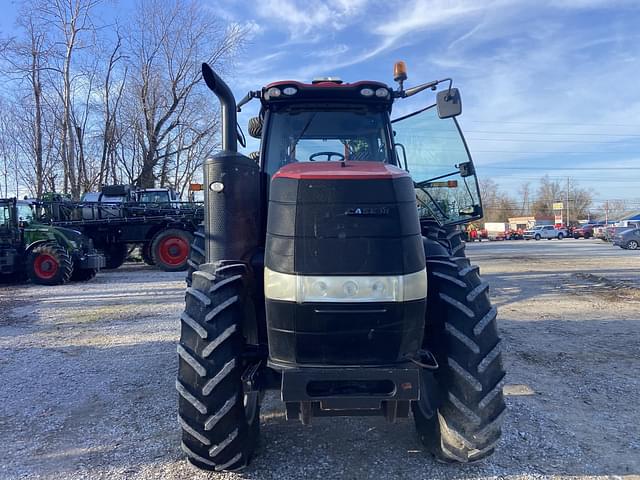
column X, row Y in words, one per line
column 547, row 86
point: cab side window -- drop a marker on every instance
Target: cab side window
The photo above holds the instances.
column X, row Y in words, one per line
column 24, row 213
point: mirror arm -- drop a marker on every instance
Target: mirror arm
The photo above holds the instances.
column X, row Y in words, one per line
column 413, row 90
column 247, row 98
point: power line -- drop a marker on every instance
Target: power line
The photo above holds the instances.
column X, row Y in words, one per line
column 556, row 168
column 582, row 134
column 535, row 140
column 636, row 125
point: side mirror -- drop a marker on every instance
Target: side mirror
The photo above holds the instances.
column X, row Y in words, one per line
column 449, row 103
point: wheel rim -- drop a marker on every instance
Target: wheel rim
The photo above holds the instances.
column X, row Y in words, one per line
column 632, row 245
column 173, row 250
column 45, row 266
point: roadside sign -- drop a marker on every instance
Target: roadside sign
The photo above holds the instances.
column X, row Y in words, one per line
column 558, row 205
column 558, row 219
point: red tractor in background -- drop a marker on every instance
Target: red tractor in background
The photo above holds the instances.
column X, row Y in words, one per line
column 318, row 277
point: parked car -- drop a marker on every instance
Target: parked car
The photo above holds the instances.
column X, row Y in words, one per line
column 611, row 232
column 628, row 239
column 545, row 231
column 517, row 234
column 586, row 231
column 600, row 232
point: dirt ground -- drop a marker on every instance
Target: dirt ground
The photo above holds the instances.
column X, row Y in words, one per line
column 88, row 371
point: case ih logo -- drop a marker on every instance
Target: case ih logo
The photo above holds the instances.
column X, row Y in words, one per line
column 368, row 211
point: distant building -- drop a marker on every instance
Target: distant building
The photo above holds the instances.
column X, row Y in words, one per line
column 525, row 223
column 629, row 220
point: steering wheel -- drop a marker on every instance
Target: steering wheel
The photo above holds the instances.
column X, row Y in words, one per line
column 312, row 158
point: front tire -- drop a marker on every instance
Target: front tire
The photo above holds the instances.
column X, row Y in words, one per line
column 115, row 255
column 220, row 424
column 462, row 333
column 49, row 264
column 632, row 245
column 560, row 236
column 538, row 237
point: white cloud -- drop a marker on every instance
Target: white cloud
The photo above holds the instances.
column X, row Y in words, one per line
column 420, row 14
column 313, row 21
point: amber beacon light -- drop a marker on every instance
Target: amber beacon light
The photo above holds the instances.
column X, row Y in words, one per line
column 400, row 71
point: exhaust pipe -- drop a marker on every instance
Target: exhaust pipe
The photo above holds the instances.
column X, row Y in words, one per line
column 228, row 104
column 232, row 188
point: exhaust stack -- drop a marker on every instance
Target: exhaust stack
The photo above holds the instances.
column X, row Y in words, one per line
column 231, row 188
column 228, row 104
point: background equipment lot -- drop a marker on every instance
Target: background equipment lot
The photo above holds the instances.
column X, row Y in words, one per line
column 88, row 370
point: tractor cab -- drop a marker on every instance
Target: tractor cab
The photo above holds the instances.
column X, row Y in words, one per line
column 8, row 222
column 332, row 121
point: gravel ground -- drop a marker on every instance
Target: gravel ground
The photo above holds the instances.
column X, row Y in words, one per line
column 88, row 373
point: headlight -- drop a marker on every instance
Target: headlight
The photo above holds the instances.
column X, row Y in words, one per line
column 290, row 91
column 367, row 92
column 273, row 92
column 369, row 288
column 382, row 93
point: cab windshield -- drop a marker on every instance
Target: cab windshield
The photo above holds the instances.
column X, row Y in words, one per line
column 346, row 133
column 154, row 197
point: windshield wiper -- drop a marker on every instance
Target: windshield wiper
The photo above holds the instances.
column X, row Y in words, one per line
column 304, row 130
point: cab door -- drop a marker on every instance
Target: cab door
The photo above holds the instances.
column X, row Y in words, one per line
column 434, row 152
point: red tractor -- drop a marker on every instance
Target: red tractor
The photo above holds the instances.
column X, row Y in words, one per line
column 318, row 277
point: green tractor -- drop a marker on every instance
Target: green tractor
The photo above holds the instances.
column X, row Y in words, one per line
column 46, row 255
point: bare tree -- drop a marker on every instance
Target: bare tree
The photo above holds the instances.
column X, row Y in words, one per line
column 549, row 192
column 577, row 200
column 26, row 59
column 112, row 90
column 167, row 43
column 525, row 193
column 70, row 19
column 131, row 111
column 497, row 205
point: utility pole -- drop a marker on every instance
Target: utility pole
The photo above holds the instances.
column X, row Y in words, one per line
column 567, row 224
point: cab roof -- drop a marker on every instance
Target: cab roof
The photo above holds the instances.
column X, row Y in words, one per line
column 334, row 91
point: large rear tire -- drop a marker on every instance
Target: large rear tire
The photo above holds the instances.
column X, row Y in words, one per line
column 49, row 264
column 220, row 424
column 255, row 127
column 145, row 253
column 461, row 332
column 197, row 253
column 170, row 249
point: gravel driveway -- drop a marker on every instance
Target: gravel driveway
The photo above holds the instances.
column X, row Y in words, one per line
column 88, row 373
